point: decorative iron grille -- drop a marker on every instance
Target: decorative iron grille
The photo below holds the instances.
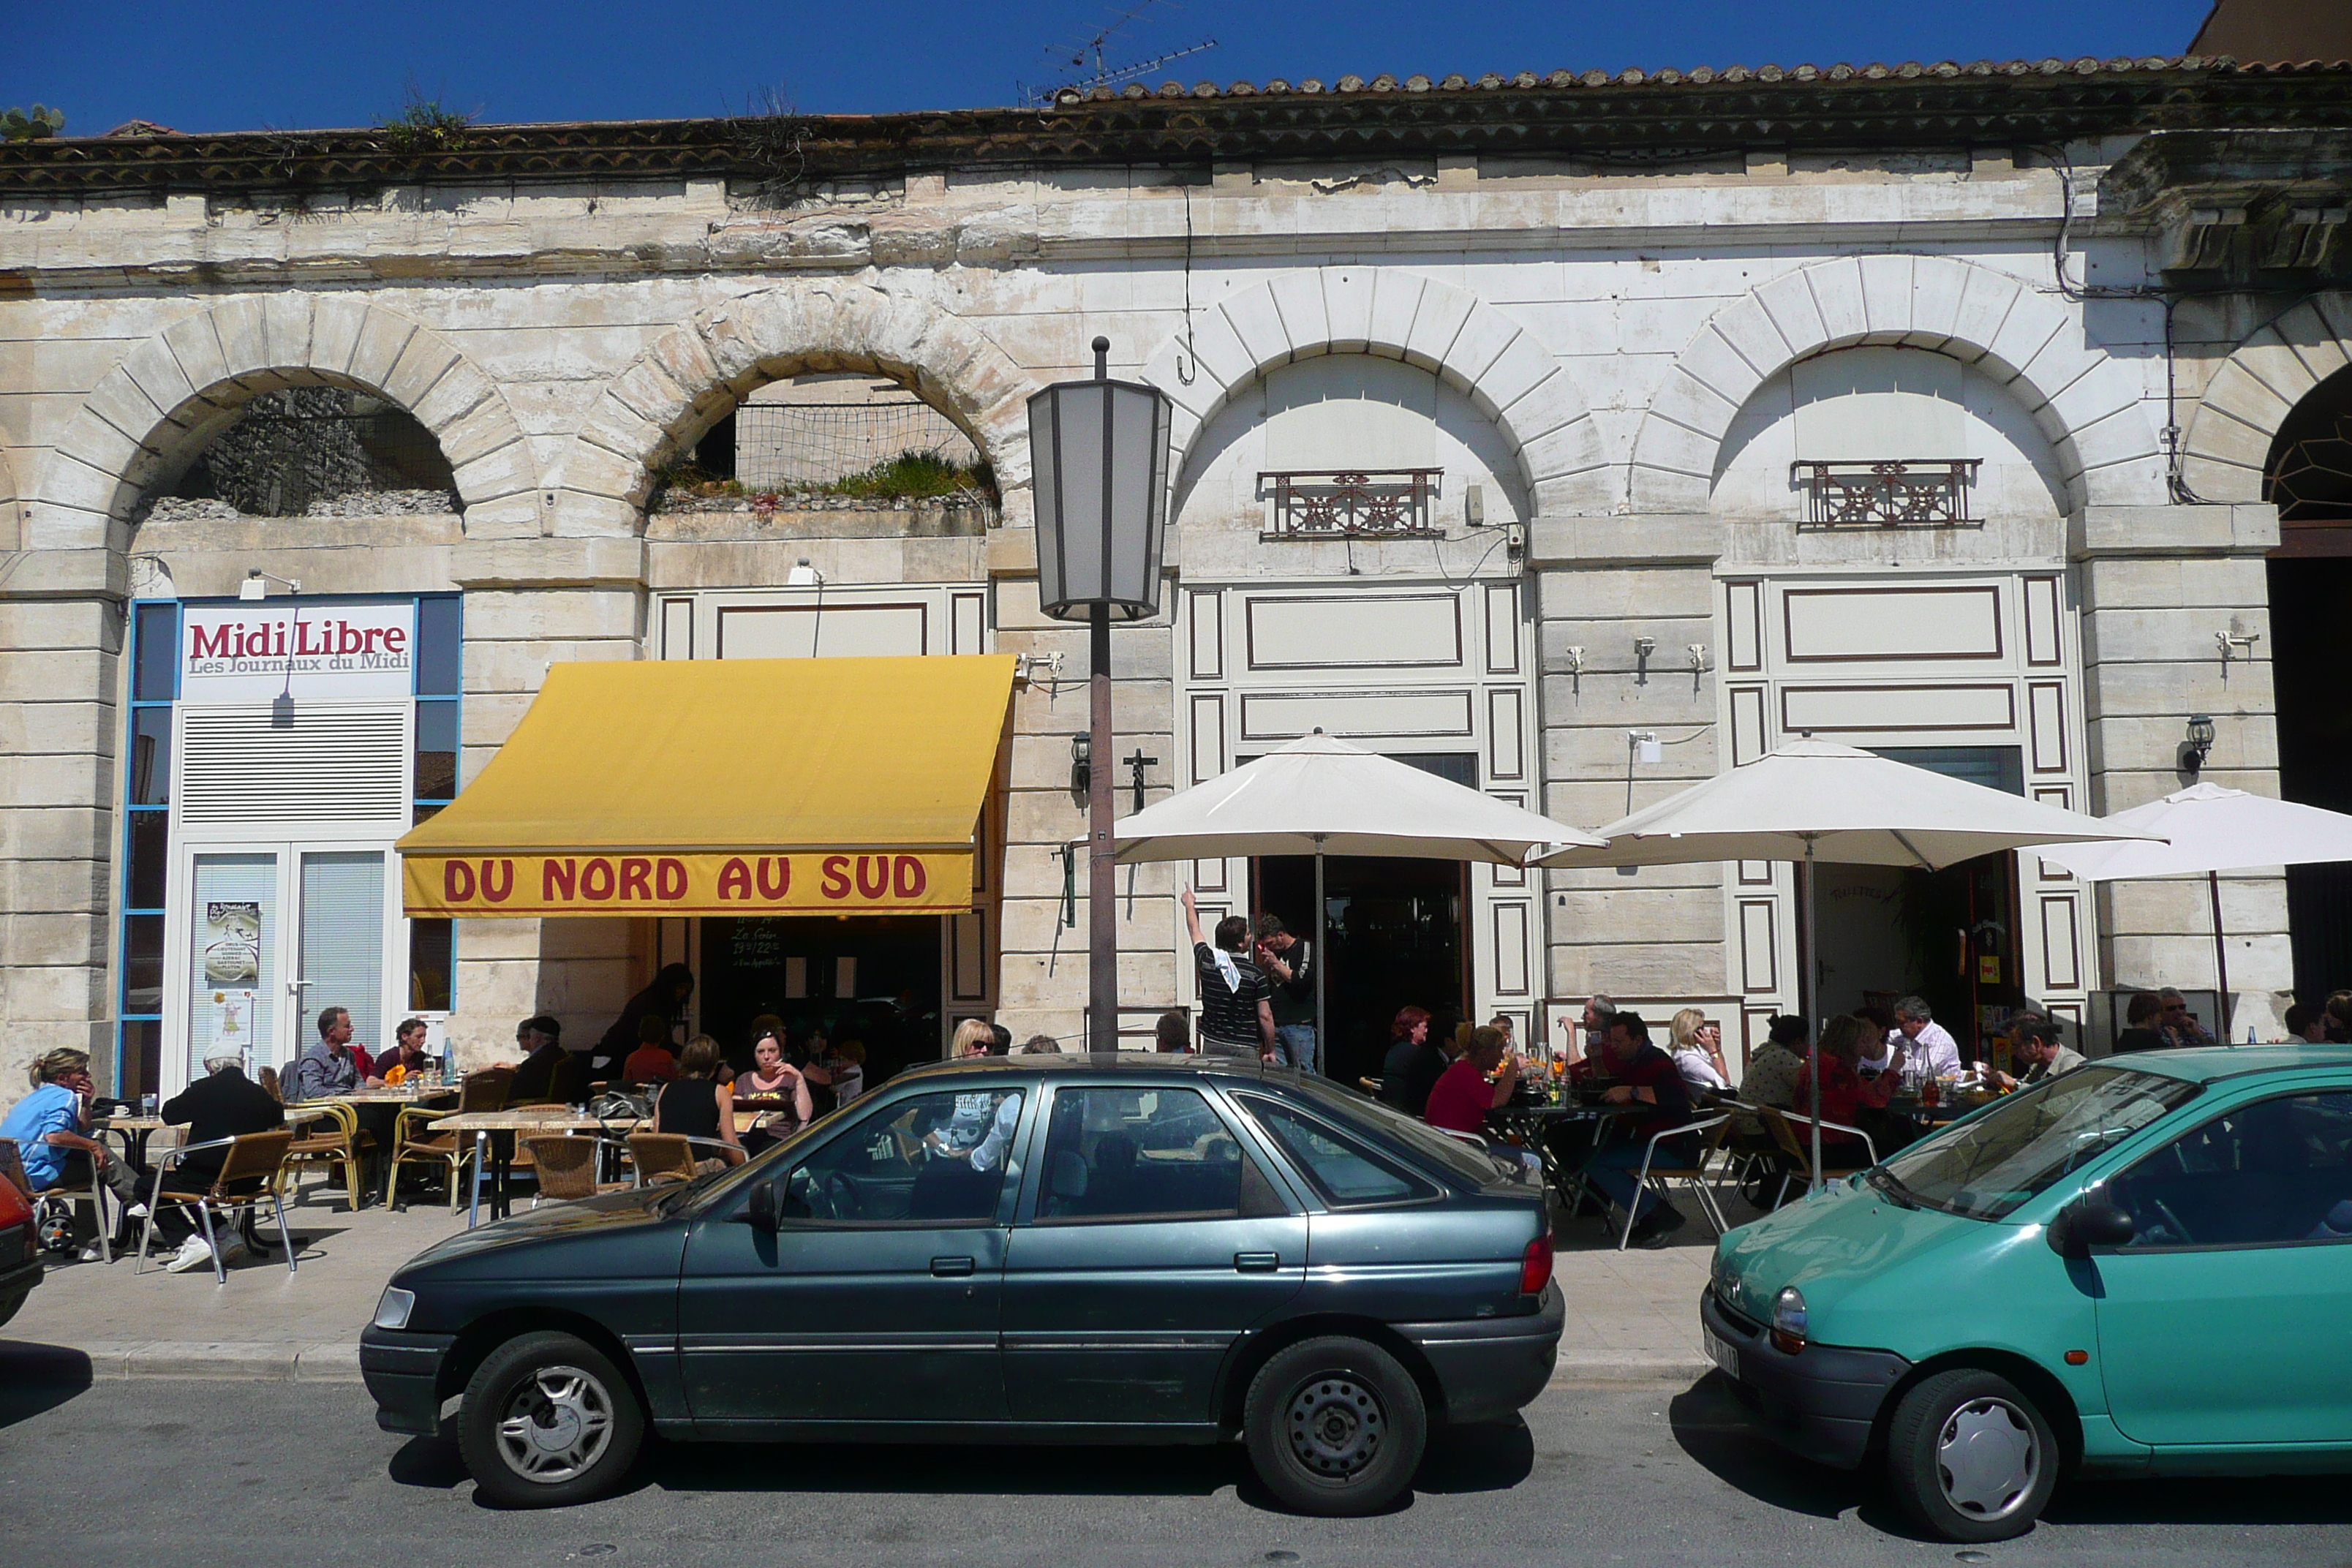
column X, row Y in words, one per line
column 1910, row 494
column 1361, row 503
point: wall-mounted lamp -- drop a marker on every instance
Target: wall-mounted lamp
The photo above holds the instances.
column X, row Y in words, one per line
column 1643, row 648
column 1645, row 746
column 2197, row 746
column 1082, row 767
column 2229, row 642
column 803, row 575
column 256, row 585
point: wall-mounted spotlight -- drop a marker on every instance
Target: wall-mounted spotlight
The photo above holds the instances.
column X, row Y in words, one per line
column 256, row 585
column 1082, row 768
column 2199, row 745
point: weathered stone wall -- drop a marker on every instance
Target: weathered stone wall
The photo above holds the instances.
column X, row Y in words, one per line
column 563, row 341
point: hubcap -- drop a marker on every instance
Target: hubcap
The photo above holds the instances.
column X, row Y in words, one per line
column 556, row 1425
column 1987, row 1458
column 1336, row 1427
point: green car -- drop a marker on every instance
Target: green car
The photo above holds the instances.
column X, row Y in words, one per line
column 2142, row 1268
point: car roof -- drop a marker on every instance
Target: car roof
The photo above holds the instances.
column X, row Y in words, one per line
column 1249, row 1067
column 2210, row 1064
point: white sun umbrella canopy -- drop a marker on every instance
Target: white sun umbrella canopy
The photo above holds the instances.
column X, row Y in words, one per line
column 2210, row 828
column 1810, row 801
column 1319, row 797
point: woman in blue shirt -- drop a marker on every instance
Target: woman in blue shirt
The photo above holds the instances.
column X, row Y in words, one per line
column 50, row 1128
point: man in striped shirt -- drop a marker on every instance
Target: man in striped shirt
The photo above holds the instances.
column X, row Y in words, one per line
column 1236, row 1002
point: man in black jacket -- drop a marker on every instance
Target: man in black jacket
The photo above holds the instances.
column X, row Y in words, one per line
column 224, row 1103
column 549, row 1074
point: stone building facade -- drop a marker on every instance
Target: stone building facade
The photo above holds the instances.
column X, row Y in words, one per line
column 1647, row 340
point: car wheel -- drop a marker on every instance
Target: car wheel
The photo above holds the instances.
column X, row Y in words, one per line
column 548, row 1421
column 1971, row 1457
column 1335, row 1426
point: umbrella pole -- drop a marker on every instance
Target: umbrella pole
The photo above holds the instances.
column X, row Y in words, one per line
column 1317, row 958
column 1811, row 993
column 2220, row 955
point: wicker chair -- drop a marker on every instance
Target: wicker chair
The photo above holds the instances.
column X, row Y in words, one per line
column 675, row 1157
column 414, row 1140
column 567, row 1169
column 342, row 1145
column 248, row 1176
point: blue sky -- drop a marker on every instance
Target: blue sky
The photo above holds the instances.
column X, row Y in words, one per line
column 229, row 65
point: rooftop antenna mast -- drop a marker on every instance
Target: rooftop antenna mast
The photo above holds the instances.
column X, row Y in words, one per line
column 1088, row 58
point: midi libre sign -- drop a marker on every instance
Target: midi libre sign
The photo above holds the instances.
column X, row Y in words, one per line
column 747, row 884
column 255, row 652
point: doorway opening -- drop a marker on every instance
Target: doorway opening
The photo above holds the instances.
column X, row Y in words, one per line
column 2311, row 671
column 1948, row 937
column 870, row 978
column 1395, row 939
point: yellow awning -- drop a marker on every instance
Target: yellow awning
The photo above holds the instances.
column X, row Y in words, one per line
column 725, row 787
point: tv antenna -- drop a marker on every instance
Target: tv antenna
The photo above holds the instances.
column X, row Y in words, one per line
column 1084, row 65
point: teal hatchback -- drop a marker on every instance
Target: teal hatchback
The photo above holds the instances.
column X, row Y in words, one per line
column 2141, row 1267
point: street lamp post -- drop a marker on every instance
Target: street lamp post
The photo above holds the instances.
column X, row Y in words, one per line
column 1100, row 453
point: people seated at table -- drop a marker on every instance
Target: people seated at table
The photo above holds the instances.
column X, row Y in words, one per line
column 1846, row 1098
column 1696, row 1046
column 1041, row 1045
column 1879, row 1038
column 2338, row 1026
column 548, row 1074
column 51, row 1128
column 1929, row 1048
column 665, row 999
column 330, row 1064
column 1414, row 1064
column 1643, row 1078
column 2304, row 1022
column 652, row 1061
column 846, row 1066
column 695, row 1103
column 2039, row 1045
column 2176, row 1023
column 405, row 1063
column 224, row 1103
column 1463, row 1094
column 774, row 1086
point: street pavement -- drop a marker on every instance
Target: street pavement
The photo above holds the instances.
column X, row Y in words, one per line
column 257, row 1475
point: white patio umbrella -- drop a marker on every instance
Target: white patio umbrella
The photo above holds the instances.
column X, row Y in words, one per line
column 1809, row 800
column 2210, row 828
column 1319, row 795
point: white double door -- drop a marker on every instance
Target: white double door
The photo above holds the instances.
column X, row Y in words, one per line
column 264, row 937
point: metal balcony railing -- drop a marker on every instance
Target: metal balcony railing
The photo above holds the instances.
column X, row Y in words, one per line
column 1912, row 493
column 1358, row 503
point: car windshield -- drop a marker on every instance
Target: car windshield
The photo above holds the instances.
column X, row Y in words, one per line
column 1449, row 1155
column 1986, row 1166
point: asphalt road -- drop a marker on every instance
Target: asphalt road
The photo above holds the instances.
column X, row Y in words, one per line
column 257, row 1475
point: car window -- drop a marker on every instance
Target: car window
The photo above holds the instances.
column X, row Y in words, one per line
column 1345, row 1171
column 1137, row 1153
column 1986, row 1166
column 935, row 1158
column 1449, row 1153
column 2275, row 1170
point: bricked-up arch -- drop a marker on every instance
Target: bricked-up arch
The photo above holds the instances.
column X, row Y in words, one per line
column 681, row 385
column 152, row 413
column 2228, row 448
column 1507, row 374
column 2087, row 404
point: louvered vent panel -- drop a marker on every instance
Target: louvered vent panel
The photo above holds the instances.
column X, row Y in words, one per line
column 331, row 764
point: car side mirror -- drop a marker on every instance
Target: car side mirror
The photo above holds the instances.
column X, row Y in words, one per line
column 760, row 1214
column 2090, row 1221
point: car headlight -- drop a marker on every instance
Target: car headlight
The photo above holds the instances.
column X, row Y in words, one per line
column 391, row 1311
column 1788, row 1320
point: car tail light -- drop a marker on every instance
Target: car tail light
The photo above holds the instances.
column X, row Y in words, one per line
column 1534, row 1266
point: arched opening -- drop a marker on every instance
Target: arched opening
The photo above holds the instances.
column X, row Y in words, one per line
column 2308, row 476
column 316, row 451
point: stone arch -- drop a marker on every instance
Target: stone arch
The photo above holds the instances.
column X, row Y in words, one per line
column 1508, row 375
column 174, row 392
column 678, row 387
column 2087, row 404
column 2227, row 450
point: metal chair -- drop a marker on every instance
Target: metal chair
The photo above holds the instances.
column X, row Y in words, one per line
column 343, row 1144
column 1798, row 1150
column 249, row 1173
column 414, row 1140
column 1692, row 1174
column 93, row 1191
column 674, row 1156
column 567, row 1169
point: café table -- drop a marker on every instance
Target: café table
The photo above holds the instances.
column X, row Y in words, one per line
column 1533, row 1125
column 531, row 1119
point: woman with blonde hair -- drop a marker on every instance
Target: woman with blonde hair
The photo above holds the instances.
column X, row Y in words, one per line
column 973, row 1037
column 1697, row 1049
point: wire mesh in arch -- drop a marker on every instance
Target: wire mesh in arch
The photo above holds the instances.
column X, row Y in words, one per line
column 790, row 444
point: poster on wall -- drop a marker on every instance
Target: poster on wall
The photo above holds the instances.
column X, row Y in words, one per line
column 258, row 651
column 232, row 943
column 230, row 1017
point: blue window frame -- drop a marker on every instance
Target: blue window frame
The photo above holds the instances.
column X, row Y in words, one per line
column 144, row 866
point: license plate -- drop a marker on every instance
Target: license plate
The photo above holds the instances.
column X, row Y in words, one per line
column 1726, row 1356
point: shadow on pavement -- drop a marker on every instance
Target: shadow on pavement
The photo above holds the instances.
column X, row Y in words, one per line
column 1721, row 1435
column 2207, row 1500
column 1494, row 1456
column 37, row 1378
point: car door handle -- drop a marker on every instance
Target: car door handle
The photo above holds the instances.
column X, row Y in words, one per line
column 951, row 1267
column 1257, row 1262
